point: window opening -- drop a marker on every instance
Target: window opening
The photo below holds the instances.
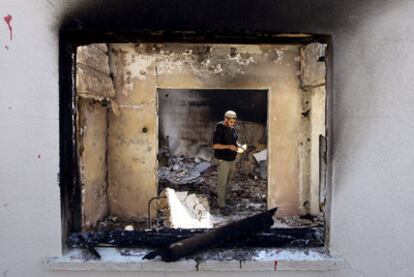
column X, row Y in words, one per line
column 144, row 118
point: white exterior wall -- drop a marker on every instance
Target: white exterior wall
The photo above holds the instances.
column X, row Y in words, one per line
column 373, row 141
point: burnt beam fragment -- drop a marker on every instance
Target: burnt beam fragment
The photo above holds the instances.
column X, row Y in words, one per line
column 137, row 238
column 235, row 231
column 275, row 237
column 87, row 245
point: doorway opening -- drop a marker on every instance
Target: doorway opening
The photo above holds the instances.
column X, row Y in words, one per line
column 187, row 168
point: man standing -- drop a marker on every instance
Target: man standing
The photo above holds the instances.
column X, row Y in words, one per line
column 225, row 151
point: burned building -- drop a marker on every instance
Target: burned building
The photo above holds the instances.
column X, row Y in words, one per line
column 82, row 141
column 146, row 111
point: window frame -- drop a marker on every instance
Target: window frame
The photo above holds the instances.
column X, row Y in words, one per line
column 70, row 187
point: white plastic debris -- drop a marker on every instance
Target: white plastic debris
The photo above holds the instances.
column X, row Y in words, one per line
column 129, row 228
column 188, row 211
column 260, row 156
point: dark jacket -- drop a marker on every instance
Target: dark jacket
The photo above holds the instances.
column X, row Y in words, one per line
column 224, row 135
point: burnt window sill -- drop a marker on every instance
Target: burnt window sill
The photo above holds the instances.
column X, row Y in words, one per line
column 256, row 259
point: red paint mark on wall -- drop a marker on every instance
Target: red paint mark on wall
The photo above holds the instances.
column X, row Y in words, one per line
column 8, row 18
column 275, row 266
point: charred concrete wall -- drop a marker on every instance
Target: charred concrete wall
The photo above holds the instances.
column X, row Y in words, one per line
column 93, row 89
column 92, row 72
column 92, row 148
column 318, row 160
column 313, row 118
column 184, row 123
column 132, row 133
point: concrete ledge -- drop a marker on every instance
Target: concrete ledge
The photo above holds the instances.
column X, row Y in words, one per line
column 269, row 259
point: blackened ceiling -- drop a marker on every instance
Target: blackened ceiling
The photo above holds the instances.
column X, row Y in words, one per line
column 121, row 19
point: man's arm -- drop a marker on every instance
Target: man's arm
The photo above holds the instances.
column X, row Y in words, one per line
column 219, row 146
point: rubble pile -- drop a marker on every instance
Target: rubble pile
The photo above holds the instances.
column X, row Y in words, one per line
column 111, row 222
column 189, row 186
column 198, row 176
column 299, row 221
column 182, row 172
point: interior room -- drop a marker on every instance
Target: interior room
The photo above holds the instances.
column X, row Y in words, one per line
column 145, row 114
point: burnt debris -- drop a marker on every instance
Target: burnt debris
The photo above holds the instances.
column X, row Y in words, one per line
column 235, row 231
column 197, row 175
column 275, row 237
column 87, row 245
column 173, row 244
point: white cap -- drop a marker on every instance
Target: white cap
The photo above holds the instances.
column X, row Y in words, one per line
column 230, row 114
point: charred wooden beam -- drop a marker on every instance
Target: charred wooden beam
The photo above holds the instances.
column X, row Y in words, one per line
column 235, row 231
column 85, row 244
column 251, row 232
column 138, row 238
column 275, row 237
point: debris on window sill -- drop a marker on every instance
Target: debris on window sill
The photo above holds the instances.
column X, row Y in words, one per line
column 236, row 231
column 231, row 259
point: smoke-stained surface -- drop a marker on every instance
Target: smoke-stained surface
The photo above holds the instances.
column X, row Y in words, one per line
column 251, row 105
column 235, row 15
